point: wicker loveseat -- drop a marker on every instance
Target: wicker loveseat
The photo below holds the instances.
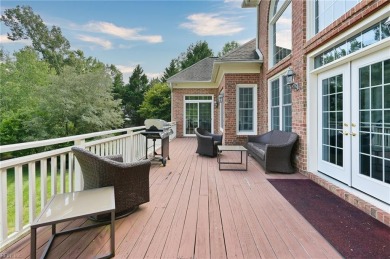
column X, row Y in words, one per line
column 273, row 150
column 207, row 142
column 130, row 180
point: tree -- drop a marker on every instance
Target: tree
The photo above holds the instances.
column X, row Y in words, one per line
column 170, row 71
column 24, row 80
column 133, row 95
column 24, row 24
column 229, row 46
column 194, row 54
column 80, row 103
column 157, row 102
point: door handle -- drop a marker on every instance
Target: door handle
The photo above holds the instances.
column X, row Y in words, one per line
column 344, row 133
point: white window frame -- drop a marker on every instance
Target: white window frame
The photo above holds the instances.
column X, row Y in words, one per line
column 272, row 20
column 254, row 130
column 311, row 19
column 279, row 77
column 197, row 101
column 221, row 112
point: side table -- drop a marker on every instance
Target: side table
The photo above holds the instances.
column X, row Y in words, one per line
column 232, row 148
column 74, row 205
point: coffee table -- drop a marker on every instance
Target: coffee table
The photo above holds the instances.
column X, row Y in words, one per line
column 74, row 205
column 228, row 149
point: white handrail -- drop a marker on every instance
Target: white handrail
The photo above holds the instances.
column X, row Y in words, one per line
column 61, row 167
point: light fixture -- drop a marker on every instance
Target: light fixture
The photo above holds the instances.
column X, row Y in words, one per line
column 220, row 98
column 290, row 79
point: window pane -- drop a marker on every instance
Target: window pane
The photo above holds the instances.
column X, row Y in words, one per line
column 245, row 109
column 282, row 36
column 327, row 11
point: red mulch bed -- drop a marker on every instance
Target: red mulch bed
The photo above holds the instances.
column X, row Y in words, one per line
column 351, row 231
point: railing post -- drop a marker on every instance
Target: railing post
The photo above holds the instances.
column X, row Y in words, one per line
column 32, row 192
column 3, row 206
column 129, row 147
column 78, row 179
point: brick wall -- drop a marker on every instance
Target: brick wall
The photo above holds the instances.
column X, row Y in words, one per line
column 297, row 61
column 230, row 85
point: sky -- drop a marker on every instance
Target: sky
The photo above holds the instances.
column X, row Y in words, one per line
column 148, row 33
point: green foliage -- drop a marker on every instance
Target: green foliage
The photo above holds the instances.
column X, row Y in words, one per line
column 229, row 46
column 170, row 71
column 37, row 104
column 22, row 83
column 157, row 102
column 133, row 95
column 80, row 103
column 194, row 54
column 24, row 24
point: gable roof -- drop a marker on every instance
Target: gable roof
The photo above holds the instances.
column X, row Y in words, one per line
column 202, row 70
column 198, row 72
column 246, row 52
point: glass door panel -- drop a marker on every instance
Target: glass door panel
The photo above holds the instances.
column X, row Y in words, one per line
column 205, row 116
column 334, row 138
column 198, row 113
column 191, row 117
column 371, row 76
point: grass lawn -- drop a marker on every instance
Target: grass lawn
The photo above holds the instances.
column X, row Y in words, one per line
column 11, row 194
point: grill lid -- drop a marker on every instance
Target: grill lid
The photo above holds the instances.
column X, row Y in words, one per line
column 152, row 124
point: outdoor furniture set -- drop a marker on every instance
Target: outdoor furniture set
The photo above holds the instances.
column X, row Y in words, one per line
column 112, row 189
column 272, row 150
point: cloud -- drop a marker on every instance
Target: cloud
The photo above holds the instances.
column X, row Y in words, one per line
column 204, row 24
column 4, row 40
column 106, row 44
column 131, row 34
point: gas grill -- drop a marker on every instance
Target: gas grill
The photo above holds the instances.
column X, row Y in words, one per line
column 157, row 129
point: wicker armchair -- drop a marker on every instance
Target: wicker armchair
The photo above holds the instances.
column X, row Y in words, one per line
column 130, row 180
column 207, row 142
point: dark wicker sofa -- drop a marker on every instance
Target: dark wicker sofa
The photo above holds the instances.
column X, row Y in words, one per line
column 130, row 180
column 207, row 142
column 273, row 150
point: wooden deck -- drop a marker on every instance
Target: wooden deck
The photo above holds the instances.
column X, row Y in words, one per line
column 197, row 211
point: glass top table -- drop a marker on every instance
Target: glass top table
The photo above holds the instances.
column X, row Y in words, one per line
column 232, row 148
column 74, row 205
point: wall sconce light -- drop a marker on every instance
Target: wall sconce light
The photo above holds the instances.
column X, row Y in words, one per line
column 290, row 79
column 220, row 98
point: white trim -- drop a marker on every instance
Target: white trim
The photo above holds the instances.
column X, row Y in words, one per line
column 254, row 87
column 197, row 101
column 311, row 75
column 278, row 76
column 359, row 27
column 272, row 19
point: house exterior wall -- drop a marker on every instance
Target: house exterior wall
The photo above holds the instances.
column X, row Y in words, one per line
column 178, row 106
column 302, row 47
column 230, row 82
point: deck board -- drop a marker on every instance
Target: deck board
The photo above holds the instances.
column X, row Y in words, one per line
column 198, row 211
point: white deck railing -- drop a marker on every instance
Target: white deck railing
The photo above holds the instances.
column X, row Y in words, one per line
column 58, row 171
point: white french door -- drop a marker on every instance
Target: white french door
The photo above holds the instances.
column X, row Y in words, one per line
column 334, row 141
column 354, row 124
column 371, row 97
column 198, row 111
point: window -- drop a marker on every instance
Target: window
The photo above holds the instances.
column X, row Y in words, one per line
column 280, row 30
column 280, row 105
column 327, row 11
column 375, row 33
column 246, row 109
